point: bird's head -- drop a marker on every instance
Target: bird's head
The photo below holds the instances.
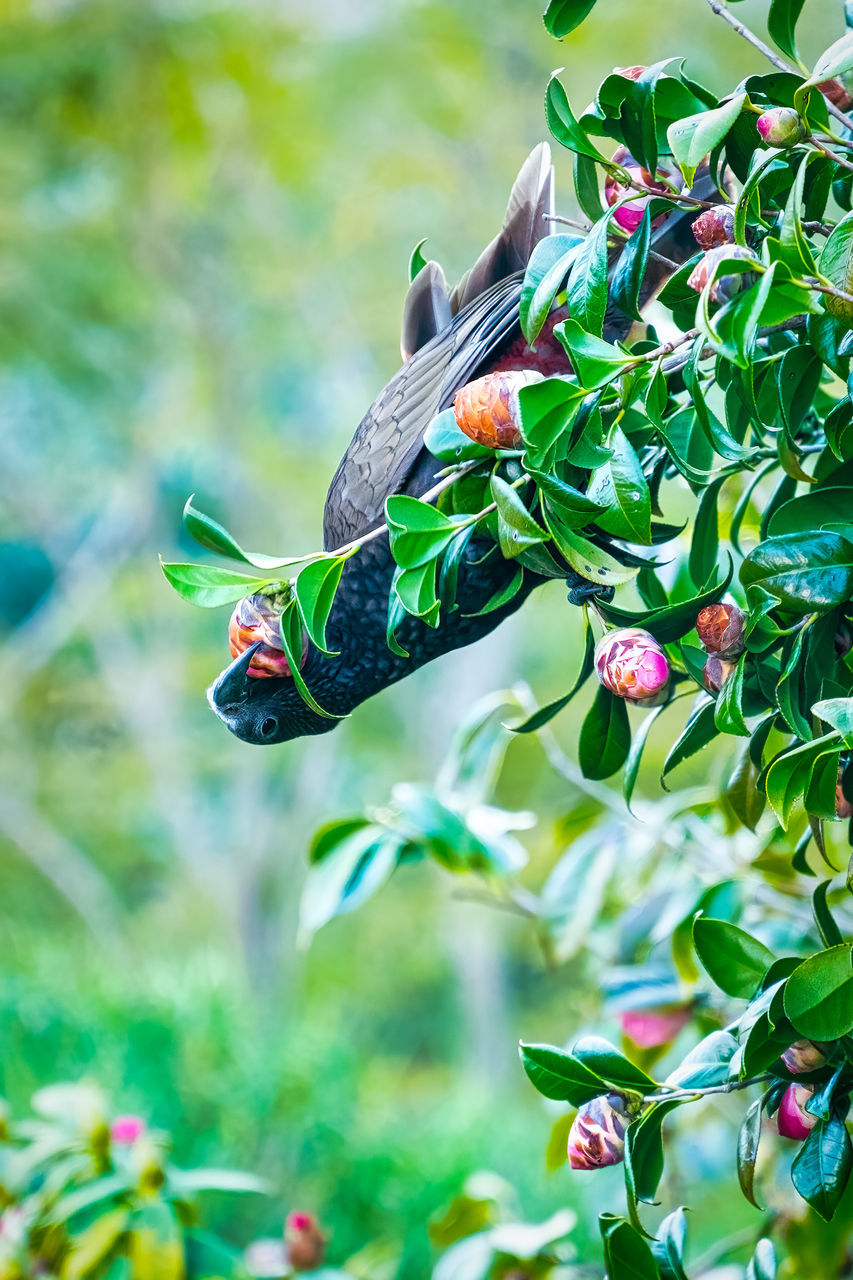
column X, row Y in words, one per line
column 256, row 696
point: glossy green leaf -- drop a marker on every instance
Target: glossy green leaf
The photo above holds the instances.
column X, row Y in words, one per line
column 733, row 959
column 559, row 1075
column 819, row 995
column 605, row 736
column 692, row 139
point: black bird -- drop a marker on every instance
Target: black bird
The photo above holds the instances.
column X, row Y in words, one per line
column 449, row 338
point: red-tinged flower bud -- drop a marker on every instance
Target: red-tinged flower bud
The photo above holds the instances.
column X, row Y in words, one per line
column 631, row 664
column 257, row 618
column 781, row 127
column 836, row 92
column 630, row 215
column 720, row 628
column 843, row 807
column 487, row 408
column 802, row 1056
column 724, row 286
column 597, row 1135
column 792, row 1119
column 630, row 73
column 650, row 1028
column 305, row 1243
column 715, row 227
column 716, row 672
column 126, row 1129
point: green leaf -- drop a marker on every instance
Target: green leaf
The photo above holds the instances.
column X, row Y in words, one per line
column 621, row 486
column 209, row 533
column 627, row 279
column 208, row 586
column 821, row 1167
column 626, row 1254
column 586, row 292
column 834, row 61
column 819, row 995
column 613, row 1067
column 517, row 529
column 734, row 960
column 635, row 755
column 544, row 714
column 559, row 1075
column 449, row 443
column 290, row 630
column 547, row 268
column 314, row 588
column 700, row 729
column 563, row 16
column 417, row 261
column 728, row 716
column 748, row 1139
column 693, row 138
column 707, row 1064
column 837, row 712
column 644, row 1151
column 805, row 574
column 605, row 737
column 563, row 125
column 781, row 21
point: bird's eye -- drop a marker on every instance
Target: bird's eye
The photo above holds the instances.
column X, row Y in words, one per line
column 269, row 727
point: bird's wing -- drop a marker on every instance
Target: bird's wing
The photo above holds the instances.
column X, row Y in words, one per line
column 443, row 354
column 390, row 436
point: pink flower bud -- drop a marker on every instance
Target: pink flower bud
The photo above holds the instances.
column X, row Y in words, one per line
column 650, row 1028
column 631, row 664
column 630, row 215
column 257, row 618
column 715, row 227
column 792, row 1119
column 720, row 628
column 724, row 286
column 126, row 1129
column 597, row 1136
column 305, row 1243
column 802, row 1056
column 716, row 672
column 781, row 127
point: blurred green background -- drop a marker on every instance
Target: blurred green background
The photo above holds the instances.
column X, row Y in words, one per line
column 206, row 212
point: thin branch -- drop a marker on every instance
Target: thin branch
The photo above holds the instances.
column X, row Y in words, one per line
column 718, row 7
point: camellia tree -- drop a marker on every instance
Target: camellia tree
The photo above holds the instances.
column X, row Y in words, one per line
column 736, row 391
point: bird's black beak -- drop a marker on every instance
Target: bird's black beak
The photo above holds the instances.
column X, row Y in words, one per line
column 231, row 689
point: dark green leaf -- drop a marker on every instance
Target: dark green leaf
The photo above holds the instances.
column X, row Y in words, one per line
column 605, row 737
column 733, row 959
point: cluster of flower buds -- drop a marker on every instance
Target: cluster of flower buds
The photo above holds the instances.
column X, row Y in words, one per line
column 792, row 1119
column 257, row 618
column 781, row 127
column 661, row 182
column 720, row 628
column 597, row 1135
column 487, row 408
column 631, row 664
column 715, row 227
column 305, row 1243
column 802, row 1056
column 651, row 1028
column 725, row 286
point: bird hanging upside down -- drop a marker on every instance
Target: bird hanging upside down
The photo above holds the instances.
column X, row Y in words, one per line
column 449, row 338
